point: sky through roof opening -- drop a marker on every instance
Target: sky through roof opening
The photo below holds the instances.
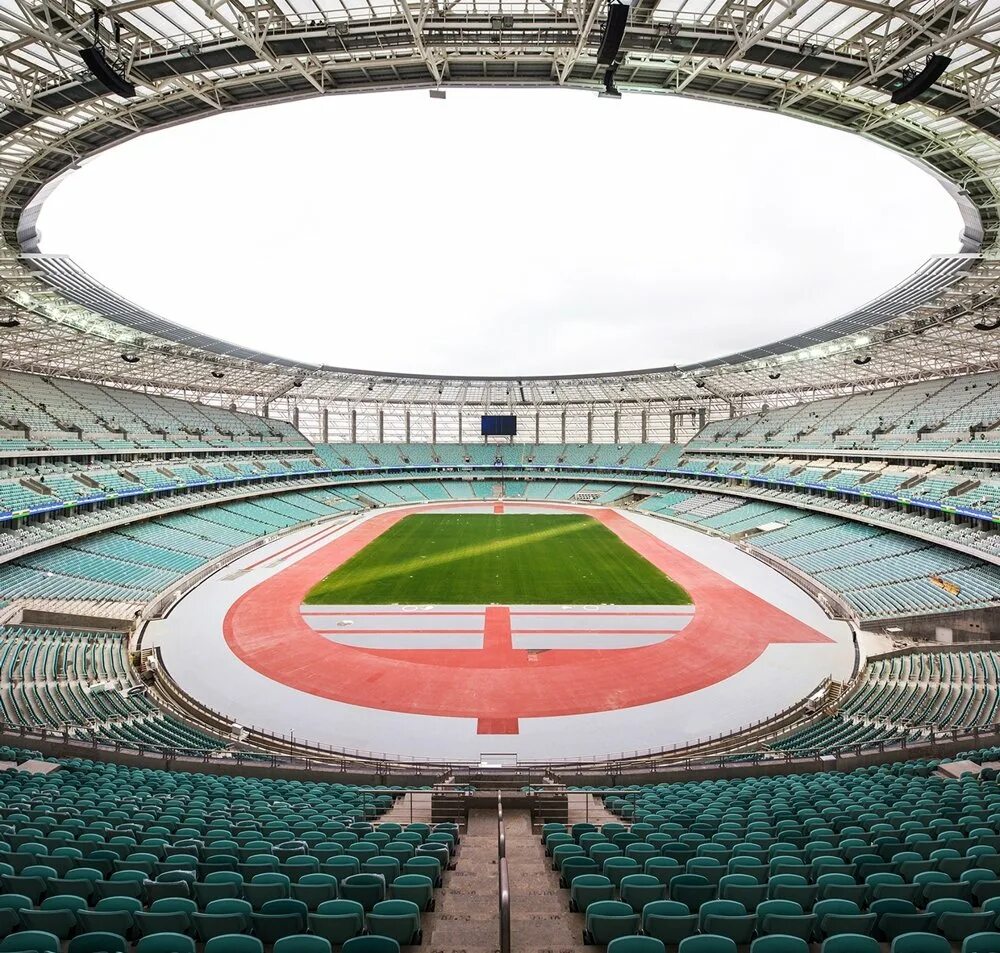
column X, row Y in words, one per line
column 500, row 231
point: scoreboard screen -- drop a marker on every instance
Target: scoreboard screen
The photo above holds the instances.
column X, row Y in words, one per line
column 499, row 426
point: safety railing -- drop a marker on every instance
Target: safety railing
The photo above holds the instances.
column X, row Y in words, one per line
column 58, row 742
column 503, row 891
column 793, row 495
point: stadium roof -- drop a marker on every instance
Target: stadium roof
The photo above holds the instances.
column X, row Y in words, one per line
column 829, row 62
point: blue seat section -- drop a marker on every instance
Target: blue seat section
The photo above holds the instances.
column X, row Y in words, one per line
column 136, row 562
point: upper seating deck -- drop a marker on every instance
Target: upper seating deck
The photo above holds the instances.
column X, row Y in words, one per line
column 56, row 415
column 953, row 415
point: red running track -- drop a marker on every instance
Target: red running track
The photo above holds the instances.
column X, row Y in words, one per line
column 730, row 629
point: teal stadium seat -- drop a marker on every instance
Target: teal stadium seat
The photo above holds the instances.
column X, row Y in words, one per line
column 669, row 921
column 707, row 943
column 851, row 943
column 222, row 918
column 416, row 888
column 636, row 944
column 97, row 943
column 234, row 943
column 279, row 918
column 337, row 920
column 588, row 889
column 982, row 943
column 727, row 918
column 303, row 944
column 399, row 919
column 607, row 919
column 370, row 944
column 57, row 915
column 779, row 944
column 920, row 943
column 30, row 941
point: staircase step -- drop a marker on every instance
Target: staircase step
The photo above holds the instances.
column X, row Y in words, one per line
column 412, row 808
column 540, row 916
column 585, row 808
column 466, row 919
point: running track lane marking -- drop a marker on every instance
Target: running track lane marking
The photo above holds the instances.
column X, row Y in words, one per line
column 349, row 631
column 348, row 613
column 296, row 547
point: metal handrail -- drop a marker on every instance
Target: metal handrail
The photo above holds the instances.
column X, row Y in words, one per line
column 504, row 880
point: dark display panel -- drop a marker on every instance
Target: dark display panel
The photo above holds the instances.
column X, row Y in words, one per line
column 499, row 426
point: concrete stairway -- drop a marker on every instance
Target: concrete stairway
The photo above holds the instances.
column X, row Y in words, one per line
column 540, row 917
column 413, row 807
column 466, row 918
column 585, row 808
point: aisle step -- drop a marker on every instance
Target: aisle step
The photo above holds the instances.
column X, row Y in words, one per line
column 540, row 916
column 466, row 919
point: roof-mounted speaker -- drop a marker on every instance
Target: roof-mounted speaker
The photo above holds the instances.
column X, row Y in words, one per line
column 916, row 83
column 614, row 31
column 105, row 73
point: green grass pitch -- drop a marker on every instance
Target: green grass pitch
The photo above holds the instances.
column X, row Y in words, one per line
column 510, row 559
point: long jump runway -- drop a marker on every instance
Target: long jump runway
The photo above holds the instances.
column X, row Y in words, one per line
column 538, row 682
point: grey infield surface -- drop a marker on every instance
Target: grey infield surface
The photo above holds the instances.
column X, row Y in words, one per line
column 195, row 652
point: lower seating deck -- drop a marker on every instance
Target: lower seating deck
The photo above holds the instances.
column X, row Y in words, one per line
column 908, row 697
column 81, row 683
column 876, row 853
column 163, row 860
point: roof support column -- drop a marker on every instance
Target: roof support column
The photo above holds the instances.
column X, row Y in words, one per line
column 326, row 425
column 354, row 425
column 643, row 425
column 434, row 425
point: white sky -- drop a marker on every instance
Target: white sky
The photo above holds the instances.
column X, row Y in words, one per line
column 500, row 231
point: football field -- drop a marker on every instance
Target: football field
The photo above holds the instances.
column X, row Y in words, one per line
column 510, row 559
